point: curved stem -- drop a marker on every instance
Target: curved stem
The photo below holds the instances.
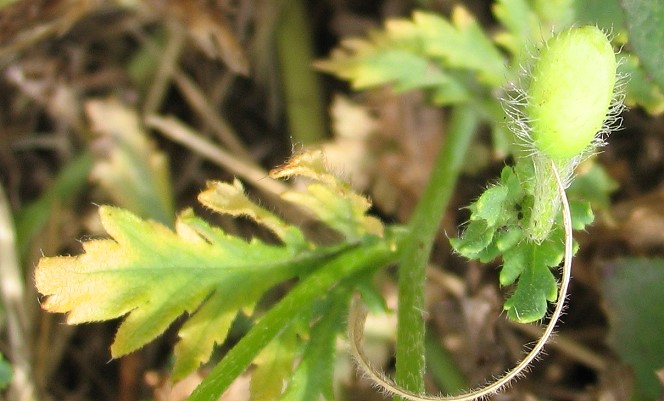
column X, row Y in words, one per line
column 358, row 315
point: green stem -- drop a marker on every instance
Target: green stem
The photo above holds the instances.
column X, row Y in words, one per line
column 415, row 252
column 306, row 114
column 366, row 256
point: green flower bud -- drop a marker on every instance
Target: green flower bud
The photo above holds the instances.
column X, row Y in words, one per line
column 570, row 91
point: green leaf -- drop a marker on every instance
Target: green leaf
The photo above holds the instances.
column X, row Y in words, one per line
column 557, row 14
column 515, row 262
column 507, row 239
column 476, row 237
column 536, row 284
column 230, row 199
column 510, row 179
column 333, row 201
column 154, row 275
column 489, row 205
column 69, row 182
column 461, row 44
column 427, row 51
column 640, row 88
column 489, row 253
column 314, row 375
column 582, row 214
column 6, row 372
column 403, row 69
column 594, row 185
column 605, row 14
column 518, row 18
column 634, row 297
column 645, row 19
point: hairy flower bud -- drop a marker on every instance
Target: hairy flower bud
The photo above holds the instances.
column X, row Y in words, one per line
column 570, row 91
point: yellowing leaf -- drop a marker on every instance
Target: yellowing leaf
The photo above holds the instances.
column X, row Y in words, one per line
column 333, row 202
column 274, row 366
column 309, row 164
column 131, row 169
column 231, row 199
column 345, row 214
column 153, row 275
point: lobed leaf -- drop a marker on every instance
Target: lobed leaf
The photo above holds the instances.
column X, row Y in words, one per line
column 582, row 214
column 495, row 230
column 461, row 44
column 427, row 51
column 331, row 201
column 489, row 206
column 153, row 275
column 529, row 301
column 230, row 199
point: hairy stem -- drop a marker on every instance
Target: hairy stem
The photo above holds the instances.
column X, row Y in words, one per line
column 415, row 252
column 358, row 316
column 547, row 197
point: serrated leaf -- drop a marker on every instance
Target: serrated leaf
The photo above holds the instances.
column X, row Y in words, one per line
column 333, row 202
column 153, row 275
column 489, row 253
column 426, row 51
column 554, row 13
column 536, row 284
column 310, row 164
column 344, row 213
column 605, row 14
column 505, row 240
column 231, row 199
column 595, row 185
column 366, row 66
column 461, row 44
column 510, row 179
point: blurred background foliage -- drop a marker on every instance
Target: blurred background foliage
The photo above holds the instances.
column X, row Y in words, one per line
column 139, row 103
